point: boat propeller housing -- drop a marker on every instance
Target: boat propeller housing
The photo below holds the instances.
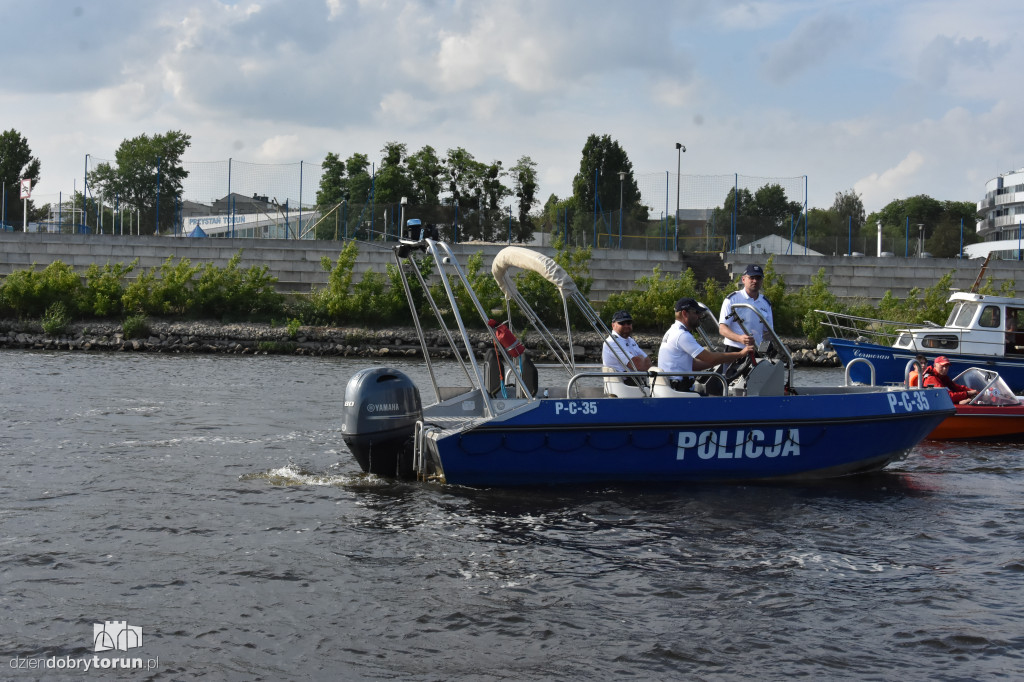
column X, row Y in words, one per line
column 382, row 406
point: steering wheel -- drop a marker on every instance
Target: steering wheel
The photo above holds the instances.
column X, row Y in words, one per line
column 739, row 369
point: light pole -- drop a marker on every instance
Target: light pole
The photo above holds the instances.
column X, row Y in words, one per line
column 622, row 180
column 401, row 219
column 680, row 148
column 920, row 239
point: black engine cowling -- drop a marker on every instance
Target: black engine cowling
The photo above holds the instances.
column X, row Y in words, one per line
column 382, row 406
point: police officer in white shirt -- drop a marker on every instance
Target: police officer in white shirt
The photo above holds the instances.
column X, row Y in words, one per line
column 621, row 351
column 729, row 327
column 680, row 351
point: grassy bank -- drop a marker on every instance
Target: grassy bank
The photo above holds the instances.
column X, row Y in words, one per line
column 58, row 297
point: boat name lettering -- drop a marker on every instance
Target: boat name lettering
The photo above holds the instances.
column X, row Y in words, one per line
column 871, row 356
column 740, row 443
column 908, row 400
column 575, row 407
column 382, row 407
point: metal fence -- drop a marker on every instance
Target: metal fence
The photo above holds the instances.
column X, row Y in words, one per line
column 234, row 199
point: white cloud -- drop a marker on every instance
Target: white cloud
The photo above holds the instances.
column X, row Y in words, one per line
column 808, row 46
column 879, row 189
column 280, row 149
column 768, row 88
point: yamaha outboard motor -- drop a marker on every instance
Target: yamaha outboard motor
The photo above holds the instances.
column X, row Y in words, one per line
column 382, row 406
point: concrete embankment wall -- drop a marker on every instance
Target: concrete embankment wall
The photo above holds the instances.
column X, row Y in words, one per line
column 869, row 278
column 296, row 263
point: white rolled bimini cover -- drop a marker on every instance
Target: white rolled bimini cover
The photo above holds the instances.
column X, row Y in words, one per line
column 517, row 257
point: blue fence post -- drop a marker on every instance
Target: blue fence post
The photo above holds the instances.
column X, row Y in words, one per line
column 805, row 215
column 961, row 237
column 510, row 223
column 596, row 174
column 298, row 230
column 906, row 240
column 664, row 227
column 735, row 213
column 849, row 235
column 231, row 217
column 156, row 228
column 85, row 193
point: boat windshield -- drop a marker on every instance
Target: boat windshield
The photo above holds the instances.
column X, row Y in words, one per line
column 962, row 314
column 991, row 388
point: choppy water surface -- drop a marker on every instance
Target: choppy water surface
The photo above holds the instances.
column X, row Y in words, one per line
column 211, row 502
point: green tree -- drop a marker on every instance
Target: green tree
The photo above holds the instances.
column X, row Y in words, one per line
column 921, row 223
column 524, row 177
column 849, row 206
column 425, row 172
column 141, row 161
column 392, row 181
column 359, row 178
column 772, row 204
column 333, row 183
column 597, row 184
column 467, row 181
column 16, row 164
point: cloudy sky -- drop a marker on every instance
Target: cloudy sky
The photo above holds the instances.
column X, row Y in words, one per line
column 890, row 99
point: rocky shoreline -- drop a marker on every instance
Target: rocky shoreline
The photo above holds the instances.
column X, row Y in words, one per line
column 205, row 336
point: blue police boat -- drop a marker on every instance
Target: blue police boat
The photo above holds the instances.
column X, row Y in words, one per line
column 512, row 422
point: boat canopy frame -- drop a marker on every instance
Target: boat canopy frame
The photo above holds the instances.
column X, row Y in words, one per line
column 504, row 267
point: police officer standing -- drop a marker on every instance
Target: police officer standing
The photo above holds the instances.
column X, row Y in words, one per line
column 729, row 327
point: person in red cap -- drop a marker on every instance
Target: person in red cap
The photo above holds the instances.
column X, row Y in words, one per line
column 937, row 376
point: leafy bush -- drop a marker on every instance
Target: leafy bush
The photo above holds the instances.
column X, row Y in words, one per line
column 231, row 293
column 803, row 319
column 104, row 289
column 293, row 328
column 162, row 291
column 375, row 299
column 652, row 300
column 56, row 319
column 31, row 293
column 135, row 326
column 915, row 308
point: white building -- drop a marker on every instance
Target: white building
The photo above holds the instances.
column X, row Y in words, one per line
column 1001, row 212
column 773, row 243
column 1000, row 217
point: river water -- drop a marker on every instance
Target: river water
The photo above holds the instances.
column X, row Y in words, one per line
column 210, row 502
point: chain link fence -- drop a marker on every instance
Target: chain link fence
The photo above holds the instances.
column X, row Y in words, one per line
column 238, row 199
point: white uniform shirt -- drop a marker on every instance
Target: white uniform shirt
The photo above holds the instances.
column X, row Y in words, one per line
column 752, row 322
column 618, row 351
column 678, row 349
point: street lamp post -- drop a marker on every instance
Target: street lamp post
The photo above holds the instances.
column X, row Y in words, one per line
column 401, row 219
column 622, row 180
column 680, row 148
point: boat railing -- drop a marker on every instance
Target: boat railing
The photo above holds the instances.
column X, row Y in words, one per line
column 851, row 327
column 652, row 375
column 907, row 370
column 855, row 362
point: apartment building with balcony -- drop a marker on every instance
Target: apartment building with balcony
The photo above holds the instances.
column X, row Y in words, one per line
column 1001, row 212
